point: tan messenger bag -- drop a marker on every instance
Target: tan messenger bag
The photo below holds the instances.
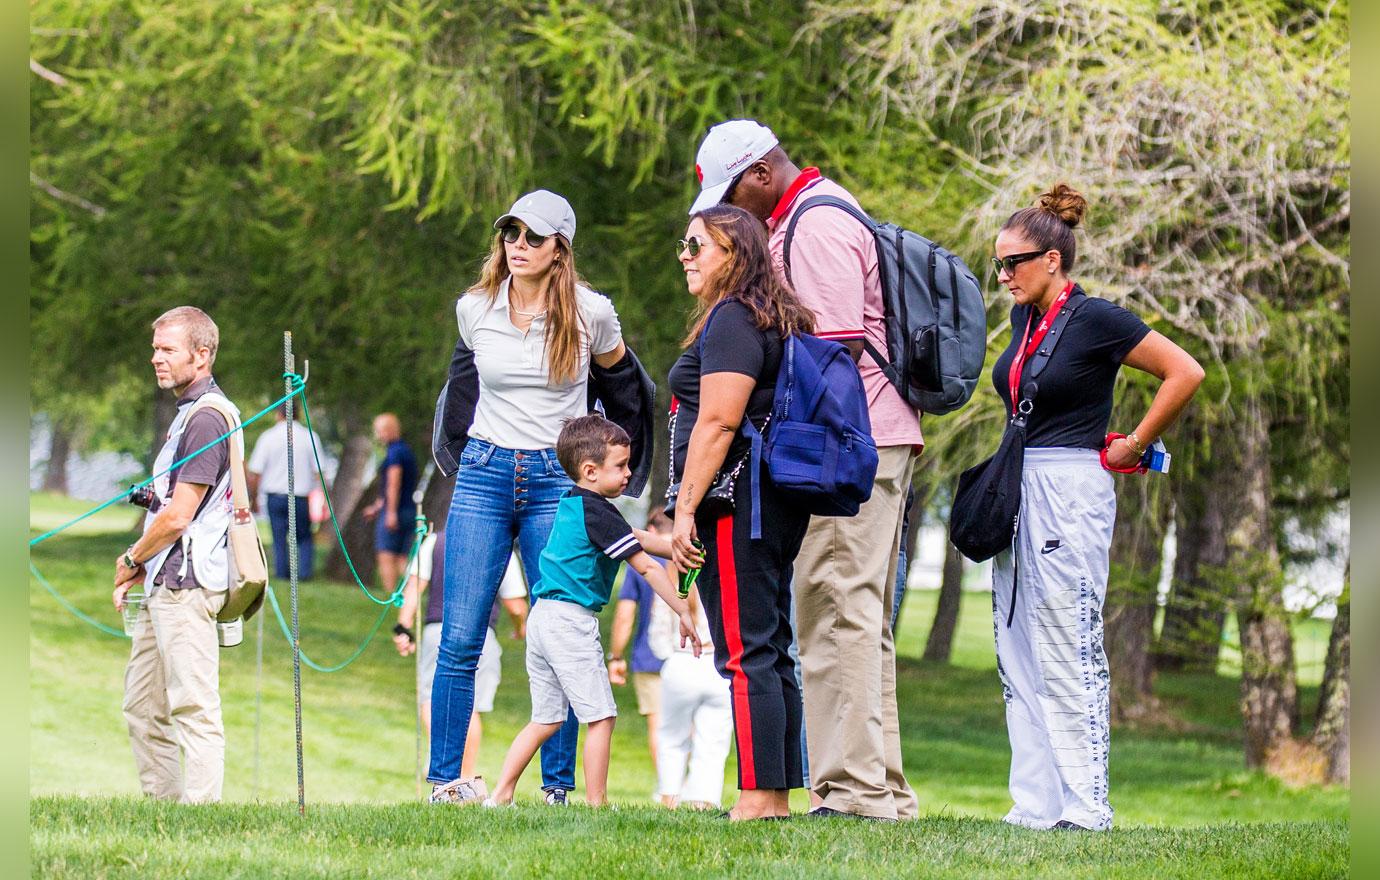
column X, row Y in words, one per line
column 248, row 564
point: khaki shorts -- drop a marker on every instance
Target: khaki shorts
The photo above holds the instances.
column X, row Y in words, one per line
column 565, row 664
column 648, row 687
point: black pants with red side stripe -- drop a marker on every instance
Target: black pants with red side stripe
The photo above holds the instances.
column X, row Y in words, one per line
column 746, row 590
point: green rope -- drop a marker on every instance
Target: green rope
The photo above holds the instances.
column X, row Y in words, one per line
column 299, row 386
column 76, row 612
column 395, row 598
column 383, row 613
column 287, row 634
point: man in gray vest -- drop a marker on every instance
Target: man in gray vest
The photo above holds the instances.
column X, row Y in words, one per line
column 172, row 698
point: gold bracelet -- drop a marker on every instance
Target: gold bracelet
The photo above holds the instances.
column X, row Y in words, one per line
column 1134, row 439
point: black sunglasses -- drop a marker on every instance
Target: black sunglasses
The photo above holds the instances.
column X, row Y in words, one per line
column 511, row 232
column 691, row 244
column 1010, row 263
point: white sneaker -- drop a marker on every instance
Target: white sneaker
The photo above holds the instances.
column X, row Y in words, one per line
column 459, row 791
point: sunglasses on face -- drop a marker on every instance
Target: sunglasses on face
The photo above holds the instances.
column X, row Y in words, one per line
column 512, row 231
column 1009, row 263
column 691, row 244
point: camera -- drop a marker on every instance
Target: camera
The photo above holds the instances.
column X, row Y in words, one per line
column 145, row 497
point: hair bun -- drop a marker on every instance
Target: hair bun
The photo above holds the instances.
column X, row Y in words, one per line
column 1064, row 202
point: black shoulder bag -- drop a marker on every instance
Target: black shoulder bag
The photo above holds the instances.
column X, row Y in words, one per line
column 987, row 505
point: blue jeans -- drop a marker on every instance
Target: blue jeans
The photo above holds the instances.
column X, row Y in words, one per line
column 278, row 522
column 500, row 495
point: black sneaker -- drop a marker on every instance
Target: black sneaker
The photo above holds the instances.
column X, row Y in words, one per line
column 556, row 797
column 831, row 813
column 1066, row 825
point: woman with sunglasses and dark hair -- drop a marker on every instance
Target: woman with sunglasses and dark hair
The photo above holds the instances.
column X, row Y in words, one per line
column 1048, row 588
column 726, row 375
column 532, row 333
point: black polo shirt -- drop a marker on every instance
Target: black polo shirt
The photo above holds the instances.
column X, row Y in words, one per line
column 1074, row 403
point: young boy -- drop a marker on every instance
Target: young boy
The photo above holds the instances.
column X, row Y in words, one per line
column 565, row 660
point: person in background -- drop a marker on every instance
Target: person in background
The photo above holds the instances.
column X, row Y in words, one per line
column 1050, row 658
column 427, row 576
column 635, row 601
column 696, row 721
column 394, row 509
column 268, row 473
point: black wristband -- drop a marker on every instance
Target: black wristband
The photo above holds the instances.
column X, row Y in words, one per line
column 400, row 630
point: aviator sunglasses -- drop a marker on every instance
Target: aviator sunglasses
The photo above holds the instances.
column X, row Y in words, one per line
column 512, row 231
column 1009, row 263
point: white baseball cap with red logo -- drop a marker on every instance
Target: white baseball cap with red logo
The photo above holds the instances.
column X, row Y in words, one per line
column 727, row 151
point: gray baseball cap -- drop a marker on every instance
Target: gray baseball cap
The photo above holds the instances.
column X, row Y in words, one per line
column 544, row 212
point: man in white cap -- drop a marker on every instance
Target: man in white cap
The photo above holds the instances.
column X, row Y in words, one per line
column 844, row 577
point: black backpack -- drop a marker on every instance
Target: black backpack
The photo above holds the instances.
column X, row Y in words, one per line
column 936, row 320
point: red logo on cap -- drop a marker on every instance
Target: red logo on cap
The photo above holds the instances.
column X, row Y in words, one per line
column 699, row 173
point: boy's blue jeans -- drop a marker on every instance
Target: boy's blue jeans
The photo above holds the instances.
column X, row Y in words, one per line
column 500, row 495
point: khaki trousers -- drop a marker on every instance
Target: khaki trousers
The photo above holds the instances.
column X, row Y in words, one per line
column 845, row 581
column 172, row 698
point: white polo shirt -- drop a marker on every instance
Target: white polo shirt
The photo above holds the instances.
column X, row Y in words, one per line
column 269, row 459
column 518, row 406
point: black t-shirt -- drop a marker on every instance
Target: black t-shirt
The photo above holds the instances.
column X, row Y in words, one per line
column 731, row 343
column 1074, row 403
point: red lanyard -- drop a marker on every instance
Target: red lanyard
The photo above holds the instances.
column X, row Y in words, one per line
column 1030, row 343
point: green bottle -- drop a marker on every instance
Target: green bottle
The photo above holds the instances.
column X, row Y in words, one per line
column 688, row 578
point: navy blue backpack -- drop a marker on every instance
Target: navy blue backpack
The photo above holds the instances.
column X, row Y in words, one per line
column 819, row 446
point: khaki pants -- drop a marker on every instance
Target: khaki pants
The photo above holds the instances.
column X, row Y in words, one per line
column 172, row 698
column 845, row 581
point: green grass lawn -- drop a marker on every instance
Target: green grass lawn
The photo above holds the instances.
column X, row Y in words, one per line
column 361, row 754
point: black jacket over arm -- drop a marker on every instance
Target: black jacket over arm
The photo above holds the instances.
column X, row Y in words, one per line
column 624, row 391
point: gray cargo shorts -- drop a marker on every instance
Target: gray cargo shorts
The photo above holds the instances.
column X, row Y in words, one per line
column 565, row 664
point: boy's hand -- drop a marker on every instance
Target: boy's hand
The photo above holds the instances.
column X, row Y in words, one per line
column 689, row 634
column 618, row 671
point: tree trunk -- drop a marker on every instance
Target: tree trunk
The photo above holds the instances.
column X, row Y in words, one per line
column 1269, row 691
column 348, row 486
column 1332, row 731
column 1129, row 612
column 59, row 449
column 1196, row 611
column 939, row 645
column 359, row 541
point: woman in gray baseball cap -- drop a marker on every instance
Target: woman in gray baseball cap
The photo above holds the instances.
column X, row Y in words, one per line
column 529, row 329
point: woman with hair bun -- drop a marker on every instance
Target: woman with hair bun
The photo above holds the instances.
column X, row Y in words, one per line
column 1048, row 587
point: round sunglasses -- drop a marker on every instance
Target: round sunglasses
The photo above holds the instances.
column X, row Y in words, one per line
column 691, row 244
column 511, row 232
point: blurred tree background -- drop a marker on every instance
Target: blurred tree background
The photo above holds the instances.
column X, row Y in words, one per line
column 333, row 169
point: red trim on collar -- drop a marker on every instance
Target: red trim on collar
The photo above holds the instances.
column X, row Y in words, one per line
column 807, row 177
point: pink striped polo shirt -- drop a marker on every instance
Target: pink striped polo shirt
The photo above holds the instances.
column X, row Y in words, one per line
column 834, row 272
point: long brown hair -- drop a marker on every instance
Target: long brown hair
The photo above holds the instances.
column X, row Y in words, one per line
column 747, row 276
column 564, row 324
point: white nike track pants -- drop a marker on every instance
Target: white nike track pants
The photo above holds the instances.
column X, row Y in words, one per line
column 1053, row 669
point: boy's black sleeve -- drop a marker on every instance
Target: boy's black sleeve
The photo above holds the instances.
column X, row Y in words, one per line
column 608, row 530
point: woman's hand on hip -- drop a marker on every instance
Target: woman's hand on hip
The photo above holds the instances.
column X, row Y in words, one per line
column 1121, row 454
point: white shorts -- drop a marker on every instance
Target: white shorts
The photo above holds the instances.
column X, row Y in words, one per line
column 486, row 678
column 565, row 664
